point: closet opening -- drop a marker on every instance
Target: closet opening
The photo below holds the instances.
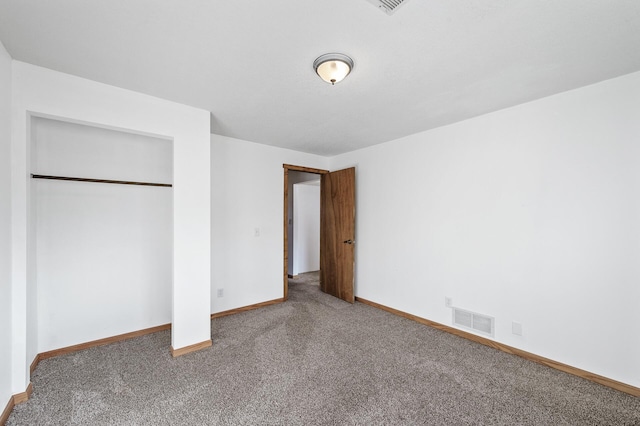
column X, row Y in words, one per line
column 102, row 231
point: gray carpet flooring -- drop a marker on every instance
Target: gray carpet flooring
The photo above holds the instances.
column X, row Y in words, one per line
column 314, row 360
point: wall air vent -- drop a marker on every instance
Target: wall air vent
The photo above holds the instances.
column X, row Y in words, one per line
column 473, row 321
column 388, row 6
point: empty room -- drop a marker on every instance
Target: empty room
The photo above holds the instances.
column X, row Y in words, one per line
column 304, row 212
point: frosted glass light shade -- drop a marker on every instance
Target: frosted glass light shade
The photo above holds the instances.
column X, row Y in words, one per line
column 333, row 67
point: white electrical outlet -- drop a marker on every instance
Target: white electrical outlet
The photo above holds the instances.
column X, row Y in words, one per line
column 516, row 328
column 220, row 292
column 448, row 302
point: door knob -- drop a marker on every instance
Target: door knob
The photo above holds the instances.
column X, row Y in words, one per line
column 348, row 241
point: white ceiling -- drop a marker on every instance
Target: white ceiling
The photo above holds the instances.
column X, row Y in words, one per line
column 249, row 62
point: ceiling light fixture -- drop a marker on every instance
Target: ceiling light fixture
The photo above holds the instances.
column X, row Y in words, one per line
column 333, row 67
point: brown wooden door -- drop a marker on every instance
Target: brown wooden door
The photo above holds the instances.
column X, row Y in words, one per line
column 337, row 233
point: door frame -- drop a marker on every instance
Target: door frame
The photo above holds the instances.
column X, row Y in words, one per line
column 285, row 222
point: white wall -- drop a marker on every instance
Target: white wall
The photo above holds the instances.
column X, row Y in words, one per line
column 5, row 227
column 42, row 92
column 529, row 214
column 104, row 251
column 306, row 224
column 247, row 192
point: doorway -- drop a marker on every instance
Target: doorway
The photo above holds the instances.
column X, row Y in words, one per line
column 292, row 175
column 304, row 223
column 337, row 230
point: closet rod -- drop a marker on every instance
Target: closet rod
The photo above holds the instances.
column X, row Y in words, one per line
column 120, row 182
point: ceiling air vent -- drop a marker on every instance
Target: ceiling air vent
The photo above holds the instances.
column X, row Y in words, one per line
column 388, row 6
